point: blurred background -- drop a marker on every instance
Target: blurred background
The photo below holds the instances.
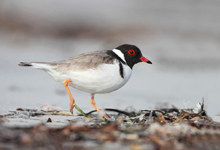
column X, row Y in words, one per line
column 181, row 38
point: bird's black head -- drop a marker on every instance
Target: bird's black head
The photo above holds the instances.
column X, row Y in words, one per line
column 132, row 54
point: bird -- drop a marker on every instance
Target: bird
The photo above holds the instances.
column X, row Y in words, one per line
column 95, row 72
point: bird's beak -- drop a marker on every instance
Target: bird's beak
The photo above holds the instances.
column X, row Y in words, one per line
column 145, row 60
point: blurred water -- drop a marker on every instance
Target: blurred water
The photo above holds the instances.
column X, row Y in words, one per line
column 180, row 38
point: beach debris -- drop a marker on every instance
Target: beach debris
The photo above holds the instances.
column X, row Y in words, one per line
column 49, row 120
column 161, row 128
column 49, row 107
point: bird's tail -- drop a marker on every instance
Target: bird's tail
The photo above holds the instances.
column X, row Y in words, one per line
column 38, row 65
column 26, row 64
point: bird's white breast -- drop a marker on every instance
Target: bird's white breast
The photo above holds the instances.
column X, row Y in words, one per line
column 103, row 79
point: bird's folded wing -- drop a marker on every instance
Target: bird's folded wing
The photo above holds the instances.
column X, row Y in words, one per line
column 84, row 61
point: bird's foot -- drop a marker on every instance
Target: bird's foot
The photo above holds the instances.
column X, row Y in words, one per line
column 104, row 117
column 71, row 107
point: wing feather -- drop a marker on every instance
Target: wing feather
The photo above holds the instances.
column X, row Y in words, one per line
column 84, row 61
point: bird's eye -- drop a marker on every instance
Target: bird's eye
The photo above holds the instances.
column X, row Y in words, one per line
column 131, row 52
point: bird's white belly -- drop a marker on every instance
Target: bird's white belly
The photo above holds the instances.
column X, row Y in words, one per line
column 103, row 79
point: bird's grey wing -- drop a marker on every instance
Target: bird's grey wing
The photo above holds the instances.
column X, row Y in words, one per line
column 84, row 61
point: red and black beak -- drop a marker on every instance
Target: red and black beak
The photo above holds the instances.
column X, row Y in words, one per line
column 143, row 59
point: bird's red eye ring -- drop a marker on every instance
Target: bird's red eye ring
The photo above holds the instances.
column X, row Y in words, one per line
column 131, row 52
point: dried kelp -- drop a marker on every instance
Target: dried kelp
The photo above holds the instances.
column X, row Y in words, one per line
column 165, row 128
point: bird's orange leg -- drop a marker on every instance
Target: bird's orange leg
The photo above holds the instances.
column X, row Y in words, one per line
column 72, row 101
column 94, row 105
